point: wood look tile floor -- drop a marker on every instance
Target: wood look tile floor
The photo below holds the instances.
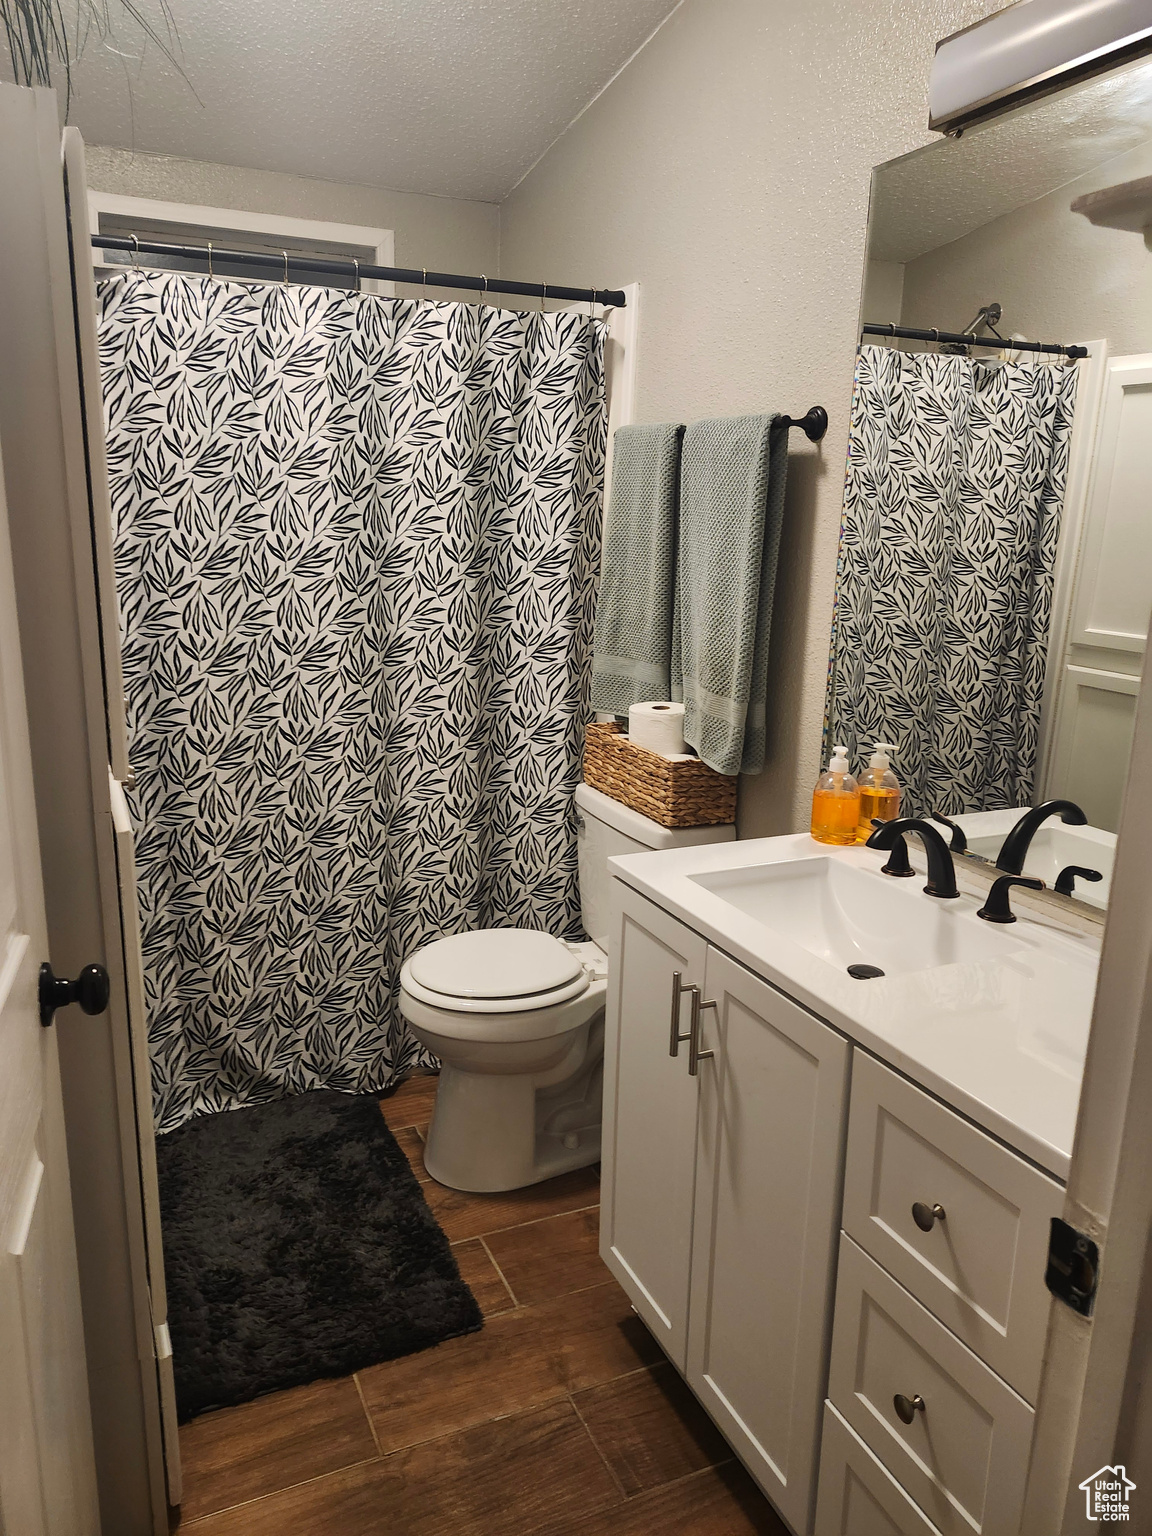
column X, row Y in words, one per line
column 559, row 1418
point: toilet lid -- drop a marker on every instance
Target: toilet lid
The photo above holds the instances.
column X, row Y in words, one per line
column 495, row 963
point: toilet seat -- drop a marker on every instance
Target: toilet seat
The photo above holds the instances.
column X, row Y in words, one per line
column 495, row 970
column 440, row 1025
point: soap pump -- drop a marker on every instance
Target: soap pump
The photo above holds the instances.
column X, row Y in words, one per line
column 879, row 792
column 836, row 802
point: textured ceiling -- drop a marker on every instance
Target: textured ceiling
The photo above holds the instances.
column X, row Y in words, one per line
column 452, row 97
column 936, row 194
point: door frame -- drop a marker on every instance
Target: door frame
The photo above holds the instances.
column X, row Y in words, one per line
column 1095, row 1394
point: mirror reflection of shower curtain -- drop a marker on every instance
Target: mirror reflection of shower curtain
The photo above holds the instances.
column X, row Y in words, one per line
column 953, row 494
column 357, row 549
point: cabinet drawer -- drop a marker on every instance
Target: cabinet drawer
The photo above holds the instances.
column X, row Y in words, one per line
column 857, row 1496
column 980, row 1269
column 964, row 1456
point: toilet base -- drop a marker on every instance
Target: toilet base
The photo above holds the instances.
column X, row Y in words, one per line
column 491, row 1133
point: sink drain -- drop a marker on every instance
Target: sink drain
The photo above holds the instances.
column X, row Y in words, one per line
column 864, row 972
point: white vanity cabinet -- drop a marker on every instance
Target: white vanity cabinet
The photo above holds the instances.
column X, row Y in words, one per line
column 848, row 1272
column 721, row 1191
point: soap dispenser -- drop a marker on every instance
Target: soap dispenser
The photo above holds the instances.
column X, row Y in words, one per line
column 836, row 803
column 879, row 792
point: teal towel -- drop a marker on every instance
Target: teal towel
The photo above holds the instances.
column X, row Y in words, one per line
column 732, row 478
column 631, row 649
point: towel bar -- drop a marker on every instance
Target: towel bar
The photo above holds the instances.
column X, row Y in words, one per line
column 813, row 425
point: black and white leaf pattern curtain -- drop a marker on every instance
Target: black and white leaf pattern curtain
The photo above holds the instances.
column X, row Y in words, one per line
column 954, row 490
column 357, row 547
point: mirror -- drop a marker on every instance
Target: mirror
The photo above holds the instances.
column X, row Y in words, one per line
column 994, row 581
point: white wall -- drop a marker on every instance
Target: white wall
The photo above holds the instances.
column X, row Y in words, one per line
column 727, row 170
column 883, row 300
column 1058, row 277
column 441, row 233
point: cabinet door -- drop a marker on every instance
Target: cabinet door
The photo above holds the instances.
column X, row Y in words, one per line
column 772, row 1121
column 649, row 1158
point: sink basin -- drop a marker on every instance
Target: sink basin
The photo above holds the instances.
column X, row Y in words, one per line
column 849, row 916
column 1054, row 847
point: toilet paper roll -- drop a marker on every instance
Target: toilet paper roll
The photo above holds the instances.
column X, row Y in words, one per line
column 659, row 726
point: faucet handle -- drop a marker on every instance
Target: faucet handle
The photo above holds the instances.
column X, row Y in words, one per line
column 996, row 909
column 959, row 843
column 1067, row 878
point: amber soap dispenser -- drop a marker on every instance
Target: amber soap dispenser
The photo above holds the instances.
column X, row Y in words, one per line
column 879, row 792
column 836, row 803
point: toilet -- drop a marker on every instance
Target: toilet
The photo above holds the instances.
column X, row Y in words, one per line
column 516, row 1017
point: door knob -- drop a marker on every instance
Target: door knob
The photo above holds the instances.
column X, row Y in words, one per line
column 926, row 1216
column 908, row 1407
column 91, row 990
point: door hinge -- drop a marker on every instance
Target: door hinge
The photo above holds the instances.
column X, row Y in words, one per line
column 1073, row 1267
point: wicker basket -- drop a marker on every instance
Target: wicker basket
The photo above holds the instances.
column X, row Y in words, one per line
column 675, row 794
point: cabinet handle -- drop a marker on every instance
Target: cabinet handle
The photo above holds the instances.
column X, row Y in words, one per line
column 908, row 1407
column 926, row 1216
column 678, row 991
column 695, row 1054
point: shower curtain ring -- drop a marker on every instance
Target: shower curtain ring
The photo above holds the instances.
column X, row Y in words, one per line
column 484, row 290
column 935, row 334
column 135, row 250
column 211, row 274
column 356, row 264
column 285, row 256
column 424, row 288
column 543, row 296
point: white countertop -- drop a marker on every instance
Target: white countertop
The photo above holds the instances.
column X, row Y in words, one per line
column 1002, row 1040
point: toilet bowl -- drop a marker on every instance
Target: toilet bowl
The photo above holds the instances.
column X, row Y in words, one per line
column 516, row 1017
column 517, row 1020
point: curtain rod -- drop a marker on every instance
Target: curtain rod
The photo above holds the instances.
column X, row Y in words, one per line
column 205, row 255
column 967, row 339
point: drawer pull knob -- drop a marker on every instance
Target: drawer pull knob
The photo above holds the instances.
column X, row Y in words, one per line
column 908, row 1407
column 926, row 1217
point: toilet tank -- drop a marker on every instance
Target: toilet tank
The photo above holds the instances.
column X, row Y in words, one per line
column 607, row 828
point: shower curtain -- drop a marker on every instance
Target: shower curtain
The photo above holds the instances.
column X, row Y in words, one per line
column 357, row 544
column 955, row 483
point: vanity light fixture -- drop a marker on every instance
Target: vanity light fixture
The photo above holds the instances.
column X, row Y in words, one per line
column 1028, row 50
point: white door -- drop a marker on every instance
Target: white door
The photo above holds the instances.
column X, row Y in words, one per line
column 47, row 1473
column 129, row 1012
column 649, row 1162
column 1111, row 601
column 773, row 1110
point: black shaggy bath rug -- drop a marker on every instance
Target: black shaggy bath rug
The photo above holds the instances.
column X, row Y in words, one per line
column 297, row 1245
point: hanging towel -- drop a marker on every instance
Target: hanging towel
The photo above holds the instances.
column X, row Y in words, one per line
column 632, row 643
column 732, row 479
